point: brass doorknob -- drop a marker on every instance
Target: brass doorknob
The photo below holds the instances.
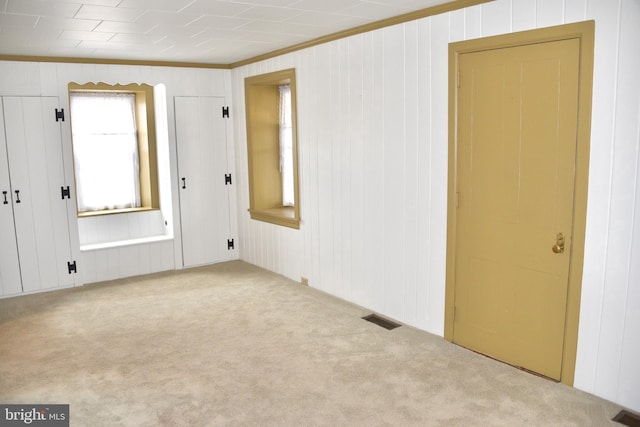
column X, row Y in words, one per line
column 558, row 248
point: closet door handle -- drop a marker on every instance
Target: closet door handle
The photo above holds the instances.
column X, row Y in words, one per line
column 184, row 183
column 4, row 194
column 17, row 196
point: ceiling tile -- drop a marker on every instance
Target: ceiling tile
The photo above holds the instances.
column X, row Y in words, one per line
column 30, row 34
column 164, row 5
column 68, row 51
column 43, row 8
column 184, row 35
column 228, row 44
column 67, row 24
column 19, row 45
column 115, row 53
column 419, row 4
column 84, row 35
column 221, row 34
column 109, row 3
column 59, row 44
column 109, row 13
column 331, row 21
column 218, row 8
column 283, row 28
column 108, row 45
column 252, row 36
column 375, row 11
column 269, row 13
column 122, row 27
column 326, row 5
column 162, row 44
column 152, row 18
column 133, row 38
column 208, row 21
column 274, row 3
column 10, row 20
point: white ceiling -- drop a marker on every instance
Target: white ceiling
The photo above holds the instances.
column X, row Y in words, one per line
column 203, row 31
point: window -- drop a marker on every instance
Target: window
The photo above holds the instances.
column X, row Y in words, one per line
column 272, row 148
column 286, row 146
column 113, row 134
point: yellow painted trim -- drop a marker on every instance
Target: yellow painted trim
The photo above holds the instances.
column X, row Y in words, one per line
column 265, row 183
column 72, row 60
column 145, row 118
column 585, row 33
column 283, row 216
column 400, row 19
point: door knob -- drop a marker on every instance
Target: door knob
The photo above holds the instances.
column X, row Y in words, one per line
column 558, row 248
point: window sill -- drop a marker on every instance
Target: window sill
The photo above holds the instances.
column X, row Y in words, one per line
column 114, row 212
column 121, row 243
column 285, row 216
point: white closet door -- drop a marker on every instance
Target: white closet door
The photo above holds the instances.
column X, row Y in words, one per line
column 34, row 148
column 202, row 165
column 10, row 282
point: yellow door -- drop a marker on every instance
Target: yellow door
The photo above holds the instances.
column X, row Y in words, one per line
column 516, row 155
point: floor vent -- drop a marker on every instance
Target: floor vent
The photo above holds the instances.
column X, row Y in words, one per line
column 627, row 418
column 387, row 324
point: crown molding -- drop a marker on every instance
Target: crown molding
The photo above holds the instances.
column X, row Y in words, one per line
column 400, row 19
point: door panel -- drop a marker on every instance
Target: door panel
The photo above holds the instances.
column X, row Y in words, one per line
column 202, row 162
column 10, row 282
column 34, row 148
column 516, row 148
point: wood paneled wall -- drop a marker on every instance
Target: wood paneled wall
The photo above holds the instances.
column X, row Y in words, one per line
column 372, row 115
column 51, row 79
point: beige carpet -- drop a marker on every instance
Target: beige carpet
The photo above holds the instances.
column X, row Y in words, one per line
column 233, row 344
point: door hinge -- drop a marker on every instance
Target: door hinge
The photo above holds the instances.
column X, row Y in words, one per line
column 227, row 179
column 458, row 78
column 72, row 267
column 230, row 244
column 225, row 112
column 59, row 114
column 66, row 192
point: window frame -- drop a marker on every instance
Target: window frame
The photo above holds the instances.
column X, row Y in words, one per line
column 146, row 135
column 262, row 108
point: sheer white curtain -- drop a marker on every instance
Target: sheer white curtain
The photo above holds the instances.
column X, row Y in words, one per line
column 286, row 146
column 105, row 150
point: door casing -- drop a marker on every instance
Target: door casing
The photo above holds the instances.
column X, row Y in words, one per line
column 584, row 32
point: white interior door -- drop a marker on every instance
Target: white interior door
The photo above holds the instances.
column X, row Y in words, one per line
column 202, row 165
column 10, row 282
column 34, row 149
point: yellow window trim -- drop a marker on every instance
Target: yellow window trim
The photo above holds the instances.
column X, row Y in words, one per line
column 262, row 101
column 279, row 216
column 145, row 123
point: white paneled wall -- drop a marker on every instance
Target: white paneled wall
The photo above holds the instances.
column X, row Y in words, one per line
column 126, row 261
column 372, row 113
column 51, row 79
column 113, row 228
